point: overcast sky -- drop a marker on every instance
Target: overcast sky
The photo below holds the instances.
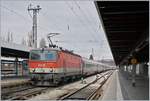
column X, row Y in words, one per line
column 78, row 23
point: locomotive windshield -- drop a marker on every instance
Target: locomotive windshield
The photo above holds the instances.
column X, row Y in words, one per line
column 43, row 55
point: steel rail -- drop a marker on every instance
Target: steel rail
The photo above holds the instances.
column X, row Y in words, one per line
column 98, row 92
column 6, row 91
column 77, row 91
column 28, row 93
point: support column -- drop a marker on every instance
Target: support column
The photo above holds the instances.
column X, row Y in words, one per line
column 145, row 70
column 141, row 66
column 121, row 68
column 133, row 74
column 127, row 71
column 16, row 65
column 127, row 68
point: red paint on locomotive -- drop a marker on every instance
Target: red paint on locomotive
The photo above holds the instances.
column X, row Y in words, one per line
column 64, row 60
column 42, row 64
column 69, row 60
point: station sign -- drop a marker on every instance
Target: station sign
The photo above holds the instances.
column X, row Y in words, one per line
column 134, row 61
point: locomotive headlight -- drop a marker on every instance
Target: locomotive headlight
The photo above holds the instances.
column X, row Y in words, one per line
column 51, row 70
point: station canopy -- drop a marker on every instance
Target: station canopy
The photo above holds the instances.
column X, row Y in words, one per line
column 126, row 25
column 7, row 52
column 14, row 50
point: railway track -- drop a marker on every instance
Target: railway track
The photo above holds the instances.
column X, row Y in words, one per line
column 27, row 91
column 90, row 91
column 21, row 92
column 24, row 95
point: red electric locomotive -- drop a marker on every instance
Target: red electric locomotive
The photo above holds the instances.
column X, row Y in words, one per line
column 50, row 66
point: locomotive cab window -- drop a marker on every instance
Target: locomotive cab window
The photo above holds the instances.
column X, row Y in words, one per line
column 45, row 55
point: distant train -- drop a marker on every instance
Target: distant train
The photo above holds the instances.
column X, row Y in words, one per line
column 51, row 66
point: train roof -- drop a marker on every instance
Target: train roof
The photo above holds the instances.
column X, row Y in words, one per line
column 47, row 49
column 93, row 61
column 88, row 60
column 57, row 49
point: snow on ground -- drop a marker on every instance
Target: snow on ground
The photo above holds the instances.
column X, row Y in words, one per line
column 11, row 82
column 55, row 93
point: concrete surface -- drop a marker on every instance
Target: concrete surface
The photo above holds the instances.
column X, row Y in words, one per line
column 119, row 87
column 112, row 88
column 139, row 92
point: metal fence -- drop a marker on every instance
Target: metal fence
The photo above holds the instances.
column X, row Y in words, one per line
column 14, row 68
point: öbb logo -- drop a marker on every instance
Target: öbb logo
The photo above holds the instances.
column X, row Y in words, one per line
column 41, row 65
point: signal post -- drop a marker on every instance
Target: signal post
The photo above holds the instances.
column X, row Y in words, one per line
column 133, row 62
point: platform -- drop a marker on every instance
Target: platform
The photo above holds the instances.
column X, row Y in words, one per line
column 139, row 92
column 120, row 88
column 112, row 89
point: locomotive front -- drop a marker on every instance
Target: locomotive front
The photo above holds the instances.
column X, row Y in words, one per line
column 42, row 66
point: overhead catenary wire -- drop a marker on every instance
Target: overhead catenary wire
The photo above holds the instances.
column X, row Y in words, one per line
column 12, row 11
column 25, row 19
column 81, row 21
column 46, row 28
column 97, row 29
column 60, row 28
column 20, row 15
column 85, row 16
column 31, row 17
column 82, row 11
column 44, row 15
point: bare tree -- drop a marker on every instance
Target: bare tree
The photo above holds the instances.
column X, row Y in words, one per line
column 11, row 37
column 42, row 43
column 23, row 41
column 8, row 37
column 3, row 38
